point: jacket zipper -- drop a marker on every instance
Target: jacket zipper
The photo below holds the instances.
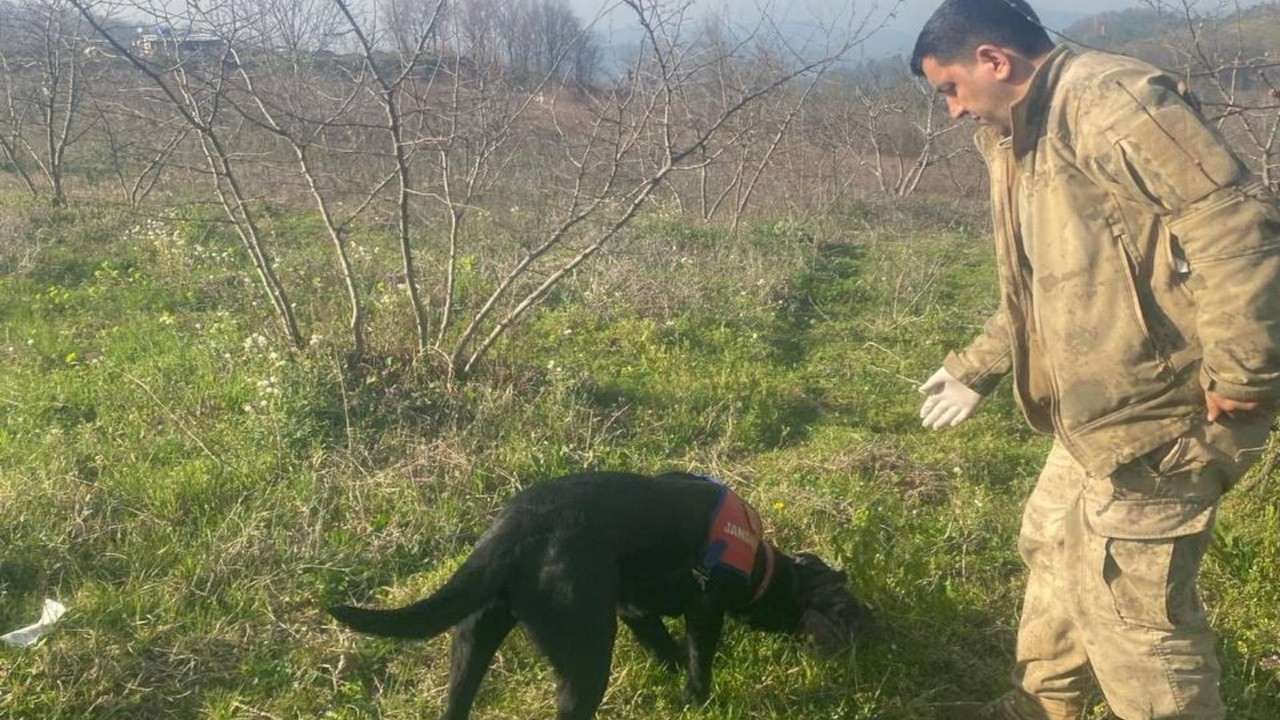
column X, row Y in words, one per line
column 1015, row 250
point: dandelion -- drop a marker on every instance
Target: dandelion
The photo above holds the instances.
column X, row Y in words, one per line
column 269, row 386
column 779, row 505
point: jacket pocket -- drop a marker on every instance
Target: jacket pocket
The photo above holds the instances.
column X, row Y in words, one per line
column 1187, row 469
column 1129, row 261
column 1196, row 468
column 1165, row 458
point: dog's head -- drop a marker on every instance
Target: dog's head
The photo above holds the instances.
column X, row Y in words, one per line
column 812, row 600
column 832, row 616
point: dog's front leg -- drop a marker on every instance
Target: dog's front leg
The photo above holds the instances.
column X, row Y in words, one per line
column 702, row 625
column 653, row 636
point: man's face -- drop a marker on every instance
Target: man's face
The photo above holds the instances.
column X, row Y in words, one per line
column 978, row 89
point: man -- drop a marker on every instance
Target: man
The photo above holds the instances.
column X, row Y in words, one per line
column 1139, row 272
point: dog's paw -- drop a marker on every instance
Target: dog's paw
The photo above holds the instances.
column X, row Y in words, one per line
column 696, row 695
column 670, row 665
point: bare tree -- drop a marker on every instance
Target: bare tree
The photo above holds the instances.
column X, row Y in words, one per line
column 139, row 146
column 196, row 86
column 288, row 95
column 388, row 87
column 411, row 25
column 1238, row 84
column 560, row 41
column 632, row 142
column 15, row 118
column 883, row 129
column 777, row 143
column 442, row 127
column 44, row 65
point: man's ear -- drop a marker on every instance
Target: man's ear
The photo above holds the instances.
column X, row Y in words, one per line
column 996, row 59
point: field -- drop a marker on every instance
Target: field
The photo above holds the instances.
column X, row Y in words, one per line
column 196, row 493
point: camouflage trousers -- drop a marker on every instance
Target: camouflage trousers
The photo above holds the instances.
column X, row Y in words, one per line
column 1111, row 593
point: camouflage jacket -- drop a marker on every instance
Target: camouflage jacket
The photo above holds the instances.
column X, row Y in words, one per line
column 1139, row 264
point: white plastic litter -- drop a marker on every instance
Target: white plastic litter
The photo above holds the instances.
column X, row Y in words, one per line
column 22, row 637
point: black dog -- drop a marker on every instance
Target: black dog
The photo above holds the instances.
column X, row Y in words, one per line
column 566, row 557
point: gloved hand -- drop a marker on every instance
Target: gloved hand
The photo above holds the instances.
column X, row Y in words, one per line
column 949, row 402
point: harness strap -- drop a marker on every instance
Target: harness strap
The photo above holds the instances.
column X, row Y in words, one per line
column 770, row 562
column 734, row 539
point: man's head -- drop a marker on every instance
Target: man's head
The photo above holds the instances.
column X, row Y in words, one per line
column 981, row 54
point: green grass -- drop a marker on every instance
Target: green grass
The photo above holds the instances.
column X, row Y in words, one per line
column 196, row 495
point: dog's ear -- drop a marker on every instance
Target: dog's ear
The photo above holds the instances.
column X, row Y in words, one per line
column 810, row 560
column 813, row 562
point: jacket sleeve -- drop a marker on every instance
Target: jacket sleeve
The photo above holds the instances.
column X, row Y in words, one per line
column 987, row 359
column 1164, row 151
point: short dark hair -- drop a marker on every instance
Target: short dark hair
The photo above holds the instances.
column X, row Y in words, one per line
column 957, row 27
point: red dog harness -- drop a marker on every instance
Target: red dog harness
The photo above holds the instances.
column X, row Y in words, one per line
column 734, row 537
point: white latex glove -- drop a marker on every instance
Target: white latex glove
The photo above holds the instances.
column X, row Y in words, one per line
column 22, row 637
column 949, row 402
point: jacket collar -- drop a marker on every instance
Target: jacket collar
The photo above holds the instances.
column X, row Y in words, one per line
column 1029, row 114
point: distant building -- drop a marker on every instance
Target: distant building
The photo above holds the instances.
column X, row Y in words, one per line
column 164, row 42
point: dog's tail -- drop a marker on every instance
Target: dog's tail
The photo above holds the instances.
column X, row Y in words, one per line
column 466, row 592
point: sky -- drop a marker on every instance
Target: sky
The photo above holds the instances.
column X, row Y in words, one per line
column 913, row 11
column 898, row 30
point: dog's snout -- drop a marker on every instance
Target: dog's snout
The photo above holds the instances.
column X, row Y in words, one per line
column 833, row 627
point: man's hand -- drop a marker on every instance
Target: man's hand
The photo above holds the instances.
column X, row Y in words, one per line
column 950, row 401
column 1218, row 405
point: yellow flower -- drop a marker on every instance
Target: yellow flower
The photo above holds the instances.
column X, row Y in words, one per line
column 779, row 505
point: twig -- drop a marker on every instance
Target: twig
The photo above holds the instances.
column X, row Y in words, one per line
column 895, row 356
column 173, row 416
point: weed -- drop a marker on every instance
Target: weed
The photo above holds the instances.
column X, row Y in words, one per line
column 196, row 493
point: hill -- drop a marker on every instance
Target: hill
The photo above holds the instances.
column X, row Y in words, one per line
column 1164, row 36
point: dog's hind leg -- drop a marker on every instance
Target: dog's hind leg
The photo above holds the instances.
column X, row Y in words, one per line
column 580, row 649
column 573, row 621
column 654, row 637
column 475, row 640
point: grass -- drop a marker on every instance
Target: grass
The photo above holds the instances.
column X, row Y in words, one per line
column 195, row 495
